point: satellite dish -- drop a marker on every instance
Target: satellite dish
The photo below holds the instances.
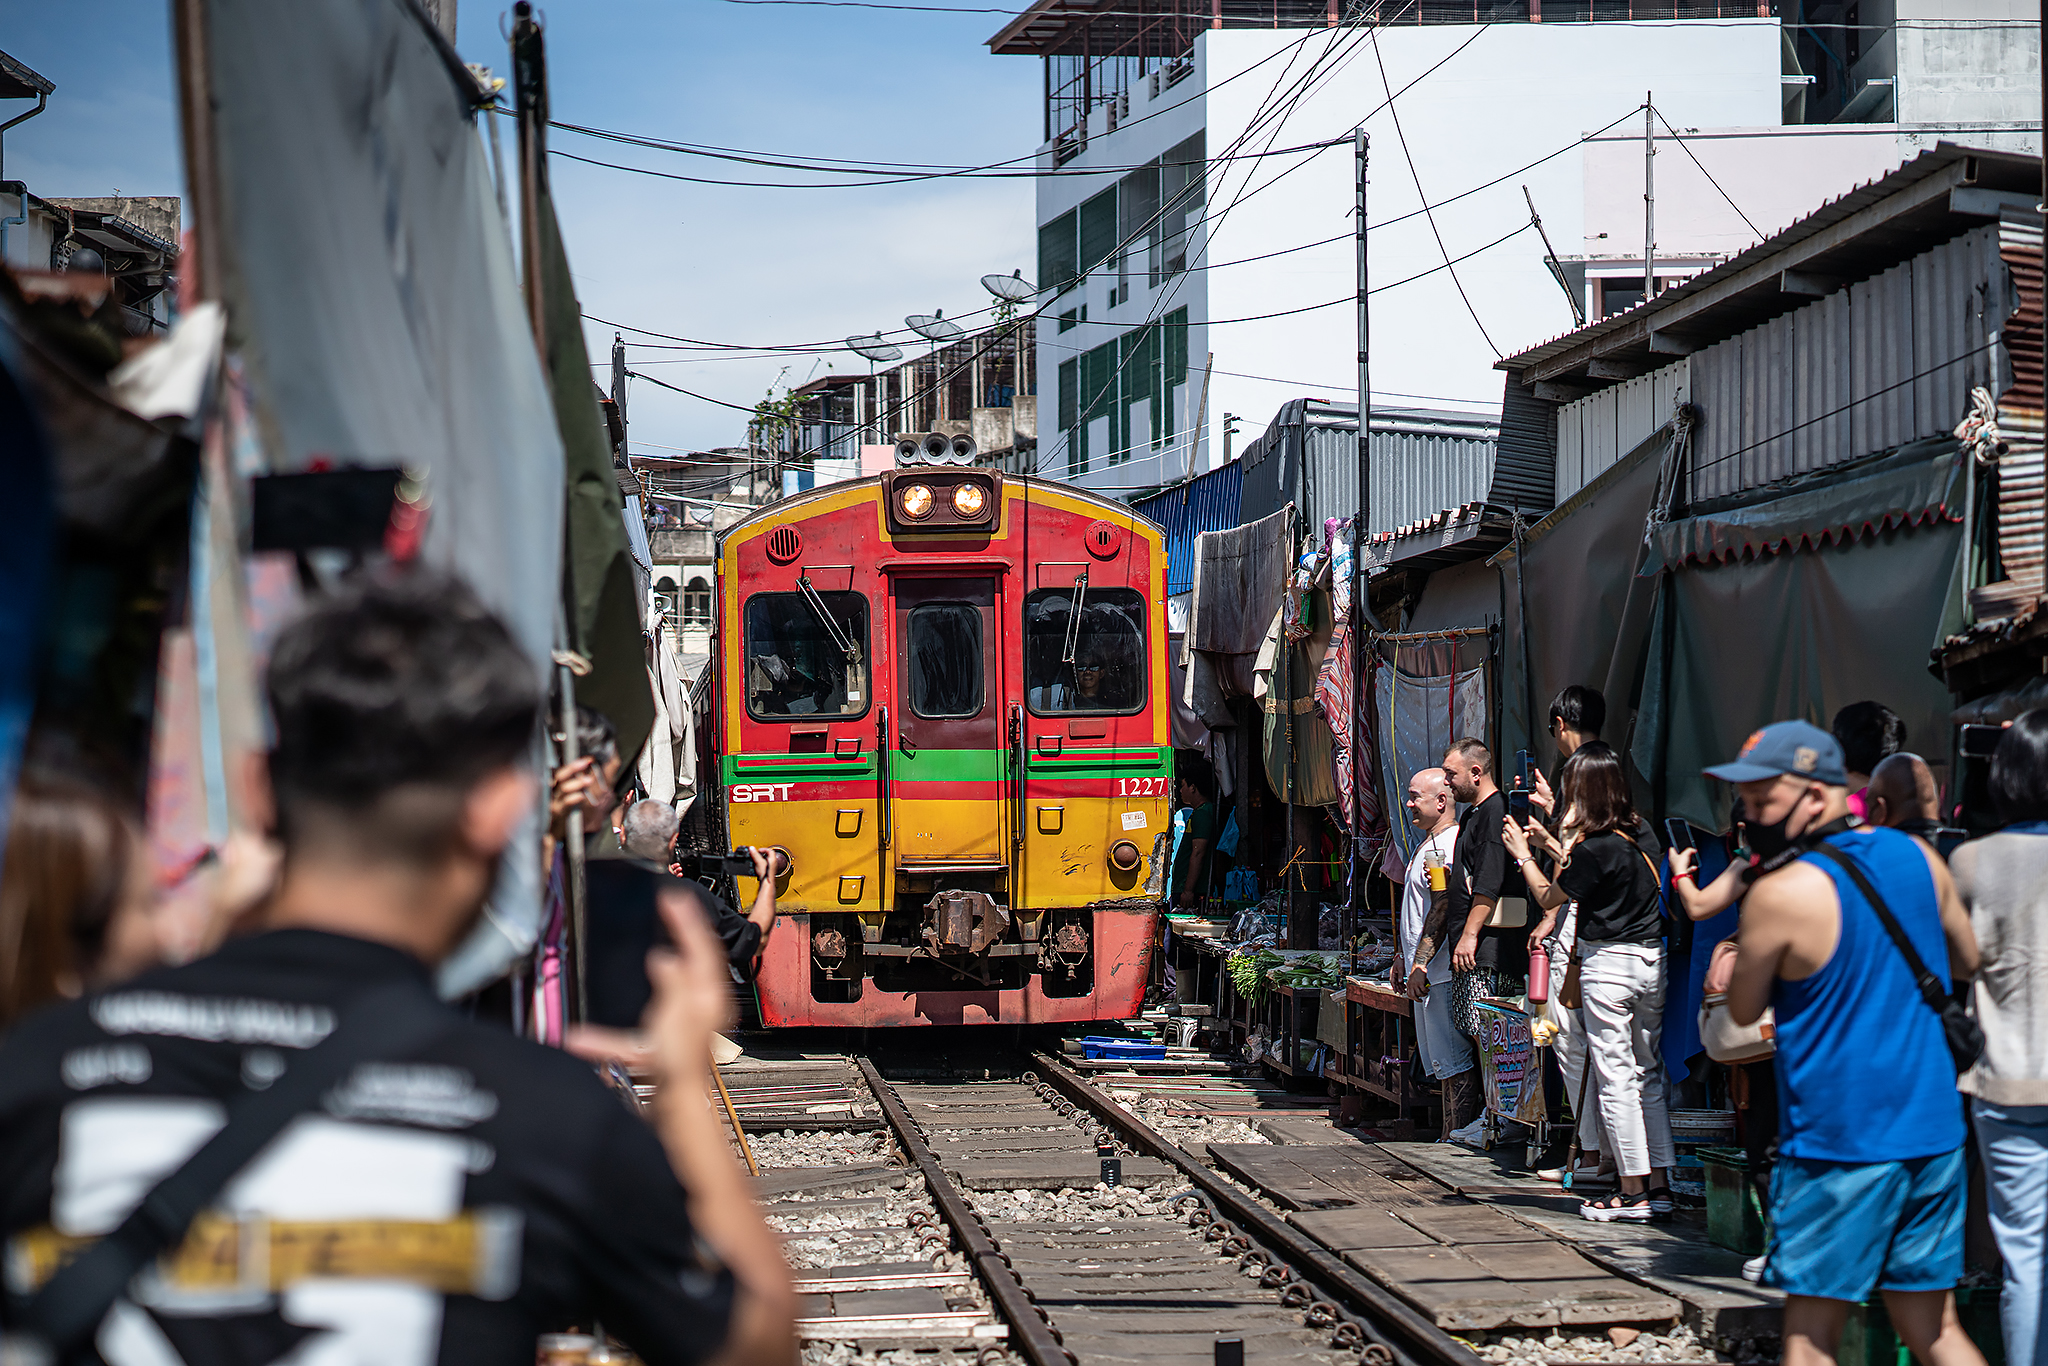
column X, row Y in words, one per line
column 874, row 348
column 933, row 326
column 1013, row 286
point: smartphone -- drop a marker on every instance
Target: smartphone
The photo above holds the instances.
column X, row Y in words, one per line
column 1979, row 742
column 1678, row 831
column 1525, row 770
column 1518, row 804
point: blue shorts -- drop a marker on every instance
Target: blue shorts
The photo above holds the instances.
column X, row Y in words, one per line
column 1840, row 1230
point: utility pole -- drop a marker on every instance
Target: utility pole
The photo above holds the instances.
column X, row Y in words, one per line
column 530, row 102
column 1649, row 198
column 1354, row 905
column 619, row 391
column 1229, row 432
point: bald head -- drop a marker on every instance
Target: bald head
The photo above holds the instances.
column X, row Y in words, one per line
column 1901, row 789
column 1430, row 803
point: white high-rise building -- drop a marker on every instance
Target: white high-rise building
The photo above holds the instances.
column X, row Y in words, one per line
column 1200, row 180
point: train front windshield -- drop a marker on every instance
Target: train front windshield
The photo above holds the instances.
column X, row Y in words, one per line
column 1095, row 666
column 797, row 655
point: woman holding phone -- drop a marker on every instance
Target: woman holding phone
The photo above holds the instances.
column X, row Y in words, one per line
column 1607, row 862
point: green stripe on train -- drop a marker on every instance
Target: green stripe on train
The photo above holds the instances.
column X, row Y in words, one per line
column 931, row 765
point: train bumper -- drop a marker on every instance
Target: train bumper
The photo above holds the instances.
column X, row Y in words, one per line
column 1123, row 942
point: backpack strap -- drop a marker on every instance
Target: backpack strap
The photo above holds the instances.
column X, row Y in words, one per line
column 385, row 1022
column 1931, row 990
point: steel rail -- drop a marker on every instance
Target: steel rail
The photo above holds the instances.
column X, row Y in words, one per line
column 1411, row 1339
column 1034, row 1336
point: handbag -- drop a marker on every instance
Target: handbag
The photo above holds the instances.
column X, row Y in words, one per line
column 1509, row 913
column 1964, row 1038
column 1727, row 1041
column 1568, row 994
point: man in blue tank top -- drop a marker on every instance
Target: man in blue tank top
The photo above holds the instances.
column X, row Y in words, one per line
column 1869, row 1187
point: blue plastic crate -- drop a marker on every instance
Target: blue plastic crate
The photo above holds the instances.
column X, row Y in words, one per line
column 1096, row 1046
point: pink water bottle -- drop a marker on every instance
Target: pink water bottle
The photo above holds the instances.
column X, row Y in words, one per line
column 1539, row 975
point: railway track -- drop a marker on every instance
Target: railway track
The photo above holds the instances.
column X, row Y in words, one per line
column 960, row 1219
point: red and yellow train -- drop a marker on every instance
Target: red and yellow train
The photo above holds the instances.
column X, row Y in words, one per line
column 943, row 691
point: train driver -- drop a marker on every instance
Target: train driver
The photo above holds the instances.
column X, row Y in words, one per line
column 1098, row 680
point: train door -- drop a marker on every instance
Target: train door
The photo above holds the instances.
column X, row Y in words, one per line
column 947, row 765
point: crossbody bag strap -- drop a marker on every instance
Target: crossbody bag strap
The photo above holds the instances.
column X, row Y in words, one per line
column 1930, row 985
column 383, row 1023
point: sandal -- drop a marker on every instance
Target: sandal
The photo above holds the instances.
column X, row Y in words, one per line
column 1619, row 1208
column 1662, row 1205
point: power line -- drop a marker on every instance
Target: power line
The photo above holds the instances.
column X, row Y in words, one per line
column 1705, row 172
column 691, row 393
column 900, row 171
column 1420, row 194
column 1836, row 412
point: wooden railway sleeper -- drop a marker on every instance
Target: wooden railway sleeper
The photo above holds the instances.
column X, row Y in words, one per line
column 1034, row 1336
column 1410, row 1339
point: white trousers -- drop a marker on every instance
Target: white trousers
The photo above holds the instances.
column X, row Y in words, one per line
column 1622, row 990
column 1570, row 1042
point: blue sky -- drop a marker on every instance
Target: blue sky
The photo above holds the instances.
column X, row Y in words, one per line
column 728, row 264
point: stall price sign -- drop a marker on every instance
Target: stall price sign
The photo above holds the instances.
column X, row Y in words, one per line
column 1507, row 1063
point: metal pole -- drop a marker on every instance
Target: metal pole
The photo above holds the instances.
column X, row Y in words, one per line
column 1355, row 903
column 1649, row 199
column 190, row 27
column 529, row 79
column 529, row 87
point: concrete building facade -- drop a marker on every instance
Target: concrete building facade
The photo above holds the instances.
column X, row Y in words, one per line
column 1198, row 185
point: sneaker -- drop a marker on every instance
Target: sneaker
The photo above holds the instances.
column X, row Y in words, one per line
column 1753, row 1269
column 1473, row 1135
column 1619, row 1209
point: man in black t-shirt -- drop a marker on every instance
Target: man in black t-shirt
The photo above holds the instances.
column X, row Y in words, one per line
column 1485, row 960
column 447, row 1203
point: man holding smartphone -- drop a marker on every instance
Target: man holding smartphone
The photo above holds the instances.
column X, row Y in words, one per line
column 466, row 1190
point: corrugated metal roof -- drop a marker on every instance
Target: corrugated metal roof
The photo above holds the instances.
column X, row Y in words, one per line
column 1208, row 502
column 1869, row 367
column 2022, row 480
column 1423, row 462
column 1851, row 238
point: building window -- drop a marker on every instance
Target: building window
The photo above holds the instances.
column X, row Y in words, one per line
column 696, row 603
column 1069, row 320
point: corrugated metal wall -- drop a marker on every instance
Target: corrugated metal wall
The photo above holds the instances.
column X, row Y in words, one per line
column 1525, row 460
column 1598, row 430
column 1869, row 367
column 1210, row 502
column 1421, row 464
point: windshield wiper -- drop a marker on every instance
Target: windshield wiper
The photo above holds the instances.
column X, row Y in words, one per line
column 1074, row 618
column 843, row 639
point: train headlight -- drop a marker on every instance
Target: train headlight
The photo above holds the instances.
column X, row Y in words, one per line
column 1123, row 856
column 969, row 500
column 917, row 502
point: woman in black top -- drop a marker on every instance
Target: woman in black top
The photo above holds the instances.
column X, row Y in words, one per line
column 1607, row 863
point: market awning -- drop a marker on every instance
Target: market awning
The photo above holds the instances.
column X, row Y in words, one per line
column 1914, row 485
column 1450, row 537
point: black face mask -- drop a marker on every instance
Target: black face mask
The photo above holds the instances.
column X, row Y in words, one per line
column 1767, row 841
column 1774, row 847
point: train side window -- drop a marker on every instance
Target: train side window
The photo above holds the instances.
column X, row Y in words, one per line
column 796, row 659
column 945, row 660
column 1107, row 674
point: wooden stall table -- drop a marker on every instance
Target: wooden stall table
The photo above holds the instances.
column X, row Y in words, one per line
column 1380, row 1043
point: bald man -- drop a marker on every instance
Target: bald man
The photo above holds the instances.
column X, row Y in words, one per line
column 1423, row 966
column 1902, row 796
